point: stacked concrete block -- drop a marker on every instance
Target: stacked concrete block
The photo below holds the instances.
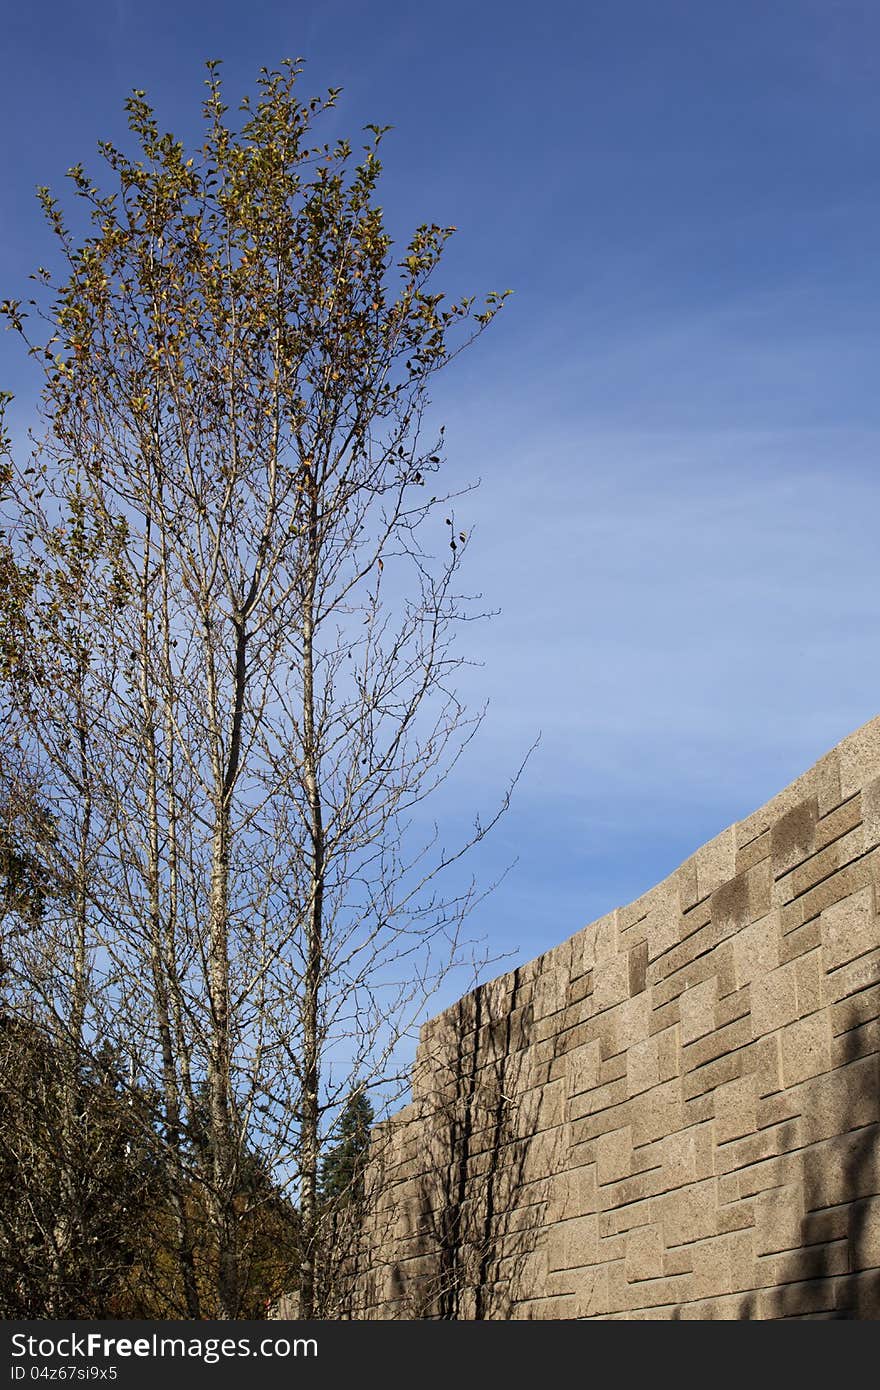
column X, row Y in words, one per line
column 674, row 1114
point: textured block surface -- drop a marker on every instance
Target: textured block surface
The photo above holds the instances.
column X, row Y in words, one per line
column 674, row 1114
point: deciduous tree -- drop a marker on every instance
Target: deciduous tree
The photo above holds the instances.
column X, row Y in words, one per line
column 234, row 643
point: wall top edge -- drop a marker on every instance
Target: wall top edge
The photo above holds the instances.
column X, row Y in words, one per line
column 834, row 778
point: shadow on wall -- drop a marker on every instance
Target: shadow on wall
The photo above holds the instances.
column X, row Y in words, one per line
column 487, row 1170
column 676, row 1113
column 828, row 1225
column 484, row 1185
column 839, row 1230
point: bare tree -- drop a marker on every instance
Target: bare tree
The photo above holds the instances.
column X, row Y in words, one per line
column 235, row 662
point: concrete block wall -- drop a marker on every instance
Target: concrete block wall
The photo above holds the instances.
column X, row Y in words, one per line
column 673, row 1114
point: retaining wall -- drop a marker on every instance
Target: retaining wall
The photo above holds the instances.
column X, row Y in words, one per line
column 672, row 1114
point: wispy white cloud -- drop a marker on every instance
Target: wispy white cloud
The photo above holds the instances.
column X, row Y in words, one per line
column 681, row 536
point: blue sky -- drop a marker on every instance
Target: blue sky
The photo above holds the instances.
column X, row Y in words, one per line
column 675, row 419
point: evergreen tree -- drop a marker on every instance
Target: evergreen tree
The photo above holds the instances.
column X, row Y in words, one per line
column 342, row 1169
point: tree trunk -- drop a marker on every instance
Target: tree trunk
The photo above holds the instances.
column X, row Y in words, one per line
column 310, row 1109
column 163, row 982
